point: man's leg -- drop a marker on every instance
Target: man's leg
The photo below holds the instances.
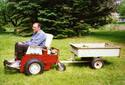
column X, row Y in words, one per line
column 20, row 50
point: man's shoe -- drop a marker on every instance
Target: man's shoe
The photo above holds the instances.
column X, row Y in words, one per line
column 7, row 62
column 15, row 64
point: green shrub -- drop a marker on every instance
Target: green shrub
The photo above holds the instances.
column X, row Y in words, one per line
column 23, row 31
column 82, row 29
column 68, row 32
column 2, row 29
column 60, row 36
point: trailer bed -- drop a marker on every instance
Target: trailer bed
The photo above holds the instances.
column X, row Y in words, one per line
column 95, row 50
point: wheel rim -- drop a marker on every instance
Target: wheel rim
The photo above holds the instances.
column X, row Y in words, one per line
column 60, row 67
column 34, row 68
column 98, row 64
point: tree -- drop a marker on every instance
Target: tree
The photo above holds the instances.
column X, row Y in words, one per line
column 121, row 8
column 3, row 9
column 61, row 16
column 94, row 12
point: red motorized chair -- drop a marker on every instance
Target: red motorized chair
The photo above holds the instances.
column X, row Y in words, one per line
column 37, row 59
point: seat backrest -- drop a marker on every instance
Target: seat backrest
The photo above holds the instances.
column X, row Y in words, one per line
column 48, row 41
column 37, row 49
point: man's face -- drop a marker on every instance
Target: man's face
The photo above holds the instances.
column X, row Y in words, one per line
column 35, row 27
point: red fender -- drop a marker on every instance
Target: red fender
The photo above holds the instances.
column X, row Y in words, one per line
column 47, row 60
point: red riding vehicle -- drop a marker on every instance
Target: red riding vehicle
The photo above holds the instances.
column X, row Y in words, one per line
column 37, row 59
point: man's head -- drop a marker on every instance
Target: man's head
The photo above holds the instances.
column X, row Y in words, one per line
column 36, row 27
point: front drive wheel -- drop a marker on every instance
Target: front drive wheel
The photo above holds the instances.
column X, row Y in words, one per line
column 61, row 67
column 33, row 67
column 97, row 63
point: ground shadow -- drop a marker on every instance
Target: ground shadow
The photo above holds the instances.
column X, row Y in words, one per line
column 107, row 62
column 87, row 64
column 5, row 33
column 11, row 71
column 115, row 36
column 84, row 64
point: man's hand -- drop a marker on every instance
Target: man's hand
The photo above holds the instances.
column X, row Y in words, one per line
column 20, row 42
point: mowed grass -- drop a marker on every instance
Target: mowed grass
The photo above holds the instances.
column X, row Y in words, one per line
column 113, row 72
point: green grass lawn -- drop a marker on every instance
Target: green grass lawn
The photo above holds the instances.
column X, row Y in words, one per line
column 113, row 72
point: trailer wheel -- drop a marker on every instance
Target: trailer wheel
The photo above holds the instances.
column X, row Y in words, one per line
column 61, row 67
column 97, row 63
column 33, row 67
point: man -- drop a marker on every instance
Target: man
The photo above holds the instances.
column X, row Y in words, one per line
column 38, row 39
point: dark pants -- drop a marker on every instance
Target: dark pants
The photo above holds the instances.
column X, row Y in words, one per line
column 20, row 50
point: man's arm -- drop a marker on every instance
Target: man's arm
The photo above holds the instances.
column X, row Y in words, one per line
column 37, row 40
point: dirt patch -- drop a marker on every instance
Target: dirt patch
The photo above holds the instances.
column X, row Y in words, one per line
column 119, row 27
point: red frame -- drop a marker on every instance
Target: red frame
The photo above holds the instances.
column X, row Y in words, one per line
column 47, row 59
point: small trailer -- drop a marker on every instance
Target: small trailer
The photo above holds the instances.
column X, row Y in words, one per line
column 93, row 52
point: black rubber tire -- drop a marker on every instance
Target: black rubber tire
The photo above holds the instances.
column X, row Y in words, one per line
column 97, row 63
column 61, row 67
column 29, row 63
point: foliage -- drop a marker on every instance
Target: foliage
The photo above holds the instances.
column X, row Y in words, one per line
column 60, row 36
column 25, row 31
column 57, row 16
column 2, row 29
column 121, row 8
column 82, row 29
column 3, row 12
column 94, row 12
column 69, row 32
